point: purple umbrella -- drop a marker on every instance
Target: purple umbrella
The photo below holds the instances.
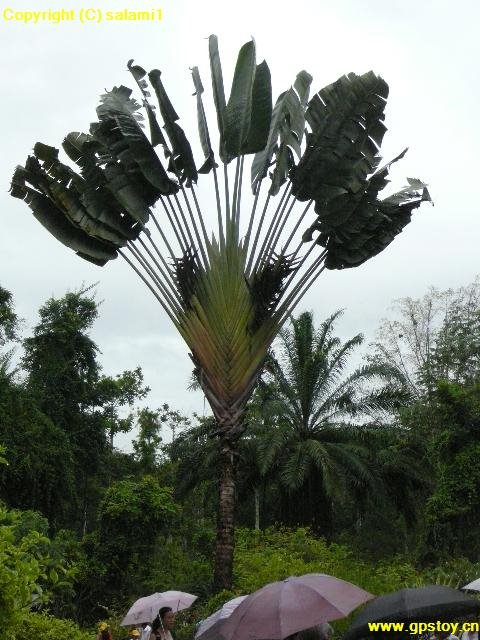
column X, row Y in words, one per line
column 282, row 608
column 208, row 628
column 145, row 609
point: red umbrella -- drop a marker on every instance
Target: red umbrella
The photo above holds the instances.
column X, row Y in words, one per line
column 281, row 608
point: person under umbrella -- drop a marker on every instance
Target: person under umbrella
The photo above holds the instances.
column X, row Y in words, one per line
column 161, row 626
column 144, row 609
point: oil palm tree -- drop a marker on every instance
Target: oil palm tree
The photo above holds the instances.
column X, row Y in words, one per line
column 325, row 425
column 227, row 292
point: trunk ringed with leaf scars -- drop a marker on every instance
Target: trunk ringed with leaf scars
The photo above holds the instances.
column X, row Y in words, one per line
column 225, row 542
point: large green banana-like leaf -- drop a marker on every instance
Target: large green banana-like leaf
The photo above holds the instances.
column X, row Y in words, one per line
column 156, row 135
column 287, row 125
column 245, row 121
column 386, row 219
column 261, row 110
column 346, row 120
column 120, row 118
column 292, row 128
column 182, row 162
column 120, row 184
column 263, row 159
column 337, row 170
column 218, row 92
column 94, row 210
column 49, row 180
column 82, row 149
column 203, row 125
column 55, row 221
column 238, row 112
column 373, row 222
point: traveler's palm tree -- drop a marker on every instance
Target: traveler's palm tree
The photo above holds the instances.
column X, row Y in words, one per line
column 325, row 425
column 227, row 292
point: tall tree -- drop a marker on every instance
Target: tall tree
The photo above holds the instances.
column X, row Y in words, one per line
column 434, row 337
column 60, row 360
column 452, row 510
column 227, row 294
column 147, row 443
column 39, row 471
column 9, row 326
column 40, row 474
column 131, row 516
column 9, row 320
column 8, row 331
column 324, row 422
column 113, row 393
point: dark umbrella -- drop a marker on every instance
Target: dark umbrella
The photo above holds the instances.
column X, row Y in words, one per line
column 409, row 605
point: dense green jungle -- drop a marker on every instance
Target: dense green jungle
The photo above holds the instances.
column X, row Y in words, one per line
column 368, row 472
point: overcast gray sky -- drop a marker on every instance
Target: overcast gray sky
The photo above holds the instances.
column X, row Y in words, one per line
column 428, row 52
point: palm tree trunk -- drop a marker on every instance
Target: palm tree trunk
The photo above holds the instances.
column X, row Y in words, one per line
column 223, row 564
column 256, row 493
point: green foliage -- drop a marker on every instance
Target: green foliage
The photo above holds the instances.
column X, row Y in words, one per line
column 9, row 320
column 20, row 570
column 176, row 563
column 60, row 358
column 132, row 514
column 196, row 454
column 40, row 473
column 29, row 571
column 317, row 427
column 46, row 627
column 147, row 443
column 55, row 424
column 454, row 503
column 142, row 540
column 135, row 511
column 112, row 393
column 455, row 354
column 276, row 553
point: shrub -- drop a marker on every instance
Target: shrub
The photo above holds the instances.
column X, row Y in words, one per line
column 32, row 567
column 46, row 627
